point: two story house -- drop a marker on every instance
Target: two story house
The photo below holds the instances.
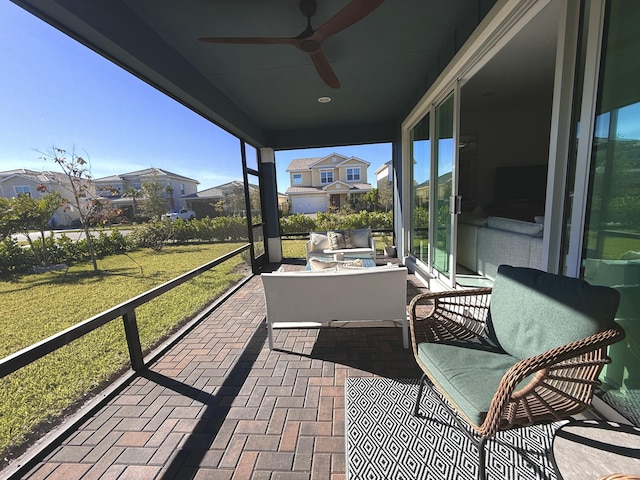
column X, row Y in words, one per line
column 23, row 181
column 115, row 187
column 320, row 183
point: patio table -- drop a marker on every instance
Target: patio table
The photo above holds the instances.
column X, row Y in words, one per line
column 596, row 449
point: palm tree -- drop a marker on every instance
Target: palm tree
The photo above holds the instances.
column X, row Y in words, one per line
column 169, row 190
column 133, row 194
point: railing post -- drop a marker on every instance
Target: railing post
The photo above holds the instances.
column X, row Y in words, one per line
column 133, row 340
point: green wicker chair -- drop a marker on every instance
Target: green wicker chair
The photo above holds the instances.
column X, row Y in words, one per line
column 527, row 351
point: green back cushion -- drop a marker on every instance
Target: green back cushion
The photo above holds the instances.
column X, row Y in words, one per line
column 533, row 311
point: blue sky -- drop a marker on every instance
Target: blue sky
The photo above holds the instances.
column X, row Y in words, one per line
column 58, row 92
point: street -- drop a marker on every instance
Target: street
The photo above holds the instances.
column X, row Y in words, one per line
column 72, row 234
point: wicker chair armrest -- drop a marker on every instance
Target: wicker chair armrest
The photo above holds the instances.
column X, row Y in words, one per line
column 435, row 296
column 556, row 369
column 449, row 315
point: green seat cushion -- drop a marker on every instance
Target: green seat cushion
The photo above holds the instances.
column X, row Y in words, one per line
column 468, row 373
column 533, row 311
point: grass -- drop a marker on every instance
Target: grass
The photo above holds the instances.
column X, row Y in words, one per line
column 37, row 306
column 293, row 248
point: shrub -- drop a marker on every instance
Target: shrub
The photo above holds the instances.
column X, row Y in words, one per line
column 297, row 223
column 113, row 243
column 14, row 258
column 300, row 223
column 154, row 235
column 362, row 219
column 230, row 228
column 184, row 231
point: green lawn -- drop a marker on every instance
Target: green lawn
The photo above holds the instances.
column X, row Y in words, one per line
column 293, row 248
column 35, row 307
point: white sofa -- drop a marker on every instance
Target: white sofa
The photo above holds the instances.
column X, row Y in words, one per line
column 363, row 243
column 485, row 243
column 306, row 299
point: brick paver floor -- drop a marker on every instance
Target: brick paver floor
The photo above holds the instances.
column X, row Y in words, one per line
column 220, row 405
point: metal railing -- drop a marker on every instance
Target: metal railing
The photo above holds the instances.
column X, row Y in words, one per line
column 126, row 310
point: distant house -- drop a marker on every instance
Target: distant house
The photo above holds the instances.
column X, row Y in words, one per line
column 384, row 184
column 384, row 175
column 320, row 183
column 225, row 199
column 177, row 187
column 283, row 203
column 37, row 183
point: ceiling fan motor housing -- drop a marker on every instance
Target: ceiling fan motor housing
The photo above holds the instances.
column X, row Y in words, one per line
column 309, row 46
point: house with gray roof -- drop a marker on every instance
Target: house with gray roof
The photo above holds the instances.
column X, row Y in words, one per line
column 178, row 187
column 23, row 181
column 331, row 181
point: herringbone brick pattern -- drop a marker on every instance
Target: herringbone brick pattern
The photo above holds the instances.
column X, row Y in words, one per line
column 220, row 405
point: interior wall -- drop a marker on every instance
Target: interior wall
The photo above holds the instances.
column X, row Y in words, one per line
column 508, row 136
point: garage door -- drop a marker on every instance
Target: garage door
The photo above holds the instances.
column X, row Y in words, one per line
column 309, row 204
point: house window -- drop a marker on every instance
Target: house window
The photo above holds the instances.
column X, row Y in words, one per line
column 182, row 189
column 326, row 177
column 353, row 174
column 23, row 190
column 297, row 178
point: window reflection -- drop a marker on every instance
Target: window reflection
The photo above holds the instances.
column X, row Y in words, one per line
column 612, row 236
column 421, row 155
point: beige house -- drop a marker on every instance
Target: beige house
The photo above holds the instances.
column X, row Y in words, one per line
column 331, row 181
column 37, row 183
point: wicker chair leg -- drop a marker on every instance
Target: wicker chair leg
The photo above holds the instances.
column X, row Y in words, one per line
column 482, row 474
column 416, row 408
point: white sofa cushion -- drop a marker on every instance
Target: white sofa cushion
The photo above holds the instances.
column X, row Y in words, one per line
column 320, row 241
column 317, row 264
column 516, row 226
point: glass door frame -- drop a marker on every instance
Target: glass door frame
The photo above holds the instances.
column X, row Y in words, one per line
column 448, row 279
column 575, row 252
column 453, row 89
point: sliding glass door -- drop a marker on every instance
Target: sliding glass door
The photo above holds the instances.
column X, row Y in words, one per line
column 420, row 173
column 433, row 155
column 608, row 142
column 443, row 186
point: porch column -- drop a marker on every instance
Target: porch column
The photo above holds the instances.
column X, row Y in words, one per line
column 270, row 204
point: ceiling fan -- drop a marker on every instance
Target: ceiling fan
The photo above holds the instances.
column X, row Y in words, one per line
column 310, row 40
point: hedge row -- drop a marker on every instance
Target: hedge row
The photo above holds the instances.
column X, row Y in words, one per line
column 15, row 258
column 300, row 223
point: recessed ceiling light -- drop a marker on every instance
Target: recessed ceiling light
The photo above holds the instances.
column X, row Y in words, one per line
column 324, row 99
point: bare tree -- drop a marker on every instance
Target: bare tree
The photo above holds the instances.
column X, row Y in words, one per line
column 80, row 179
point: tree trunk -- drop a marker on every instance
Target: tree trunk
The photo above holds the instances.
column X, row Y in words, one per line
column 45, row 257
column 90, row 245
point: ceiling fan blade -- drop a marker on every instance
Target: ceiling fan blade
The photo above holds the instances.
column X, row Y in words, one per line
column 251, row 40
column 356, row 10
column 323, row 68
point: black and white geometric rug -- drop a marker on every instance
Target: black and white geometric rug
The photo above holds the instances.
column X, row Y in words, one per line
column 385, row 440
